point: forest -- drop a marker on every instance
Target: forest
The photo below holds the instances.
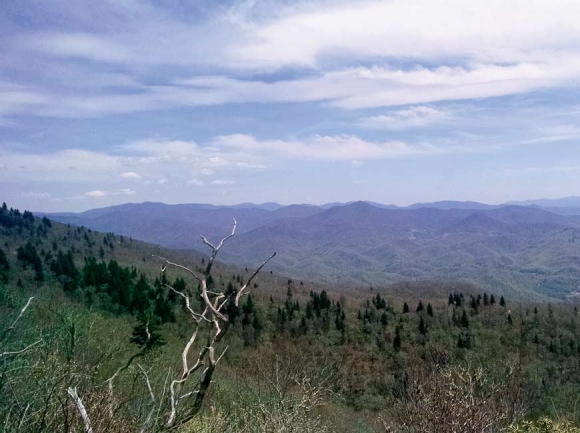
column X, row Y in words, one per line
column 100, row 332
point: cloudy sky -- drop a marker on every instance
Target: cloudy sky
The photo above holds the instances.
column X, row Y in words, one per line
column 396, row 101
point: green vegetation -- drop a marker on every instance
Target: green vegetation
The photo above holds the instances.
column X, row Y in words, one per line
column 524, row 252
column 295, row 356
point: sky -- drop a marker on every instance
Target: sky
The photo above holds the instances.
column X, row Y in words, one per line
column 204, row 101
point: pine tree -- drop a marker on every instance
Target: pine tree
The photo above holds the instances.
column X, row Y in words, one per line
column 429, row 309
column 485, row 299
column 420, row 307
column 473, row 303
column 502, row 301
column 384, row 319
column 492, row 299
column 406, row 308
column 4, row 267
column 464, row 320
column 397, row 341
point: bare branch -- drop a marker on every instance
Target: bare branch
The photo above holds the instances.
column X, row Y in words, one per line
column 148, row 420
column 177, row 265
column 186, row 352
column 245, row 286
column 18, row 352
column 11, row 328
column 208, row 302
column 215, row 250
column 141, row 352
column 206, row 361
column 81, row 408
column 196, row 316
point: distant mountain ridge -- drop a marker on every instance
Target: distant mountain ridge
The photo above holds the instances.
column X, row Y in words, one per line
column 524, row 250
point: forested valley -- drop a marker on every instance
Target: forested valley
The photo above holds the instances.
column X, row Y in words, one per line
column 100, row 332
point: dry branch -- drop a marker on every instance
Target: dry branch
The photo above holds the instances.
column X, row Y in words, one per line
column 11, row 327
column 213, row 305
column 81, row 408
column 18, row 352
column 141, row 352
column 241, row 291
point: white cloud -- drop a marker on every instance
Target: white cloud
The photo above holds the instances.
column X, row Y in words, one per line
column 162, row 181
column 206, row 171
column 36, row 195
column 413, row 117
column 60, row 166
column 130, row 175
column 466, row 59
column 554, row 134
column 480, row 30
column 196, row 182
column 80, row 45
column 350, row 88
column 124, row 191
column 95, row 194
column 221, row 182
column 329, row 148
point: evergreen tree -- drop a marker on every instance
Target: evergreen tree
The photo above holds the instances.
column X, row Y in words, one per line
column 429, row 309
column 140, row 301
column 384, row 319
column 145, row 334
column 420, row 307
column 464, row 320
column 464, row 341
column 29, row 256
column 492, row 299
column 485, row 299
column 397, row 341
column 502, row 301
column 46, row 222
column 406, row 308
column 4, row 267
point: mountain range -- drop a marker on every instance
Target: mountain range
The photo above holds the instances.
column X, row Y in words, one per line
column 527, row 250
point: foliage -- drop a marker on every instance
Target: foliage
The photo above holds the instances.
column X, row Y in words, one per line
column 543, row 425
column 300, row 357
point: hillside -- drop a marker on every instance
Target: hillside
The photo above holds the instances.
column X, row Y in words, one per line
column 104, row 328
column 524, row 251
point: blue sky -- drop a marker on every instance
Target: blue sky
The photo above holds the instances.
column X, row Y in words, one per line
column 395, row 101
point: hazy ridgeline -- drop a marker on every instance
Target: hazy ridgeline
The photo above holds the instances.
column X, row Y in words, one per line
column 526, row 252
column 92, row 337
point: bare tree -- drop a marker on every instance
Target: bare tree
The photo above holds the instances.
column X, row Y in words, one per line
column 457, row 399
column 212, row 314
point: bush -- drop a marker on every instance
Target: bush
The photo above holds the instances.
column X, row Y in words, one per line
column 543, row 425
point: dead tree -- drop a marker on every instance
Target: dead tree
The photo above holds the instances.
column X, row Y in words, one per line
column 212, row 314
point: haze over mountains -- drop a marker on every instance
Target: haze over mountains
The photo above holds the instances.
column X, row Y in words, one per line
column 531, row 250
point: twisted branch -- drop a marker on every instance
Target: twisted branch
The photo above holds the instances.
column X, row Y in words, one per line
column 241, row 291
column 214, row 303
